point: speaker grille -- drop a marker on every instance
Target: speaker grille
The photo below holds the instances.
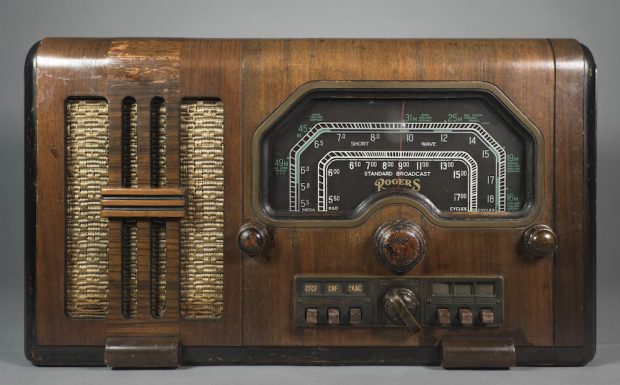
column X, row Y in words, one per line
column 158, row 227
column 129, row 273
column 129, row 143
column 202, row 228
column 158, row 143
column 86, row 243
column 158, row 268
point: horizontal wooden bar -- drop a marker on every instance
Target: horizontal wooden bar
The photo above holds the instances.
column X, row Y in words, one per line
column 478, row 352
column 130, row 191
column 142, row 352
column 138, row 202
column 142, row 202
column 144, row 213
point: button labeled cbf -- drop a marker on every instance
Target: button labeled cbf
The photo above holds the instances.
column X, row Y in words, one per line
column 332, row 288
column 333, row 316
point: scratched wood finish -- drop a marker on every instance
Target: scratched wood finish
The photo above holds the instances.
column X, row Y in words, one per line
column 211, row 68
column 546, row 300
column 574, row 265
column 142, row 70
column 52, row 325
column 524, row 70
column 142, row 203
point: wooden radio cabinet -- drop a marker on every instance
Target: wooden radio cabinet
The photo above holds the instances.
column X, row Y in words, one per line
column 197, row 201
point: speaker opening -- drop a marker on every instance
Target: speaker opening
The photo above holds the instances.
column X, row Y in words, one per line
column 86, row 239
column 202, row 228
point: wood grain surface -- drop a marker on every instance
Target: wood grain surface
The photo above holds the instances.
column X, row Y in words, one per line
column 548, row 301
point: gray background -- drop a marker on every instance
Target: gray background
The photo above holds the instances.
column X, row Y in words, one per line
column 23, row 22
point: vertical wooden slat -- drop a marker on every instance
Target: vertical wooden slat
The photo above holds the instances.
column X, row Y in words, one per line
column 144, row 140
column 173, row 256
column 572, row 259
column 173, row 105
column 115, row 263
column 158, row 268
column 144, row 270
column 144, row 71
column 115, row 179
column 129, row 269
column 212, row 68
column 172, row 271
column 144, row 225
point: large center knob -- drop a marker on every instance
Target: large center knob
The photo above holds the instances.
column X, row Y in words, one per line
column 399, row 245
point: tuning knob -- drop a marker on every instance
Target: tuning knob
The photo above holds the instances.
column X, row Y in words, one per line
column 400, row 305
column 254, row 239
column 399, row 245
column 540, row 240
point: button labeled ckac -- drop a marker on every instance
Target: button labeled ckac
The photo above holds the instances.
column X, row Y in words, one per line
column 355, row 315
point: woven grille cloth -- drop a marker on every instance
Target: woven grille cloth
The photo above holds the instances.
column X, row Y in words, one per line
column 130, row 268
column 86, row 243
column 202, row 175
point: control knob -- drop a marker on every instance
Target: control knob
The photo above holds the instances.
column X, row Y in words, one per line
column 540, row 241
column 399, row 245
column 254, row 239
column 400, row 305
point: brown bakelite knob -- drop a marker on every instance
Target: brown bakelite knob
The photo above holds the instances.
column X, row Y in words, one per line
column 399, row 245
column 253, row 239
column 540, row 240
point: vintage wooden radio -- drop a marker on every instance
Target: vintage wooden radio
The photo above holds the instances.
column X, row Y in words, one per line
column 310, row 202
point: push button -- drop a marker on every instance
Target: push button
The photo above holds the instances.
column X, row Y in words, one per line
column 333, row 316
column 486, row 316
column 465, row 317
column 355, row 315
column 312, row 316
column 443, row 317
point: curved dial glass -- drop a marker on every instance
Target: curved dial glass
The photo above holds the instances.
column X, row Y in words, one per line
column 457, row 153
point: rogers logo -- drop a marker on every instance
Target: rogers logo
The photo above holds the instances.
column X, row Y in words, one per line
column 383, row 184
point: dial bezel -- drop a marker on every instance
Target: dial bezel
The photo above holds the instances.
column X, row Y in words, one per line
column 465, row 219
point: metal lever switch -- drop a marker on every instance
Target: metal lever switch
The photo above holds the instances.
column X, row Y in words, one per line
column 400, row 305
